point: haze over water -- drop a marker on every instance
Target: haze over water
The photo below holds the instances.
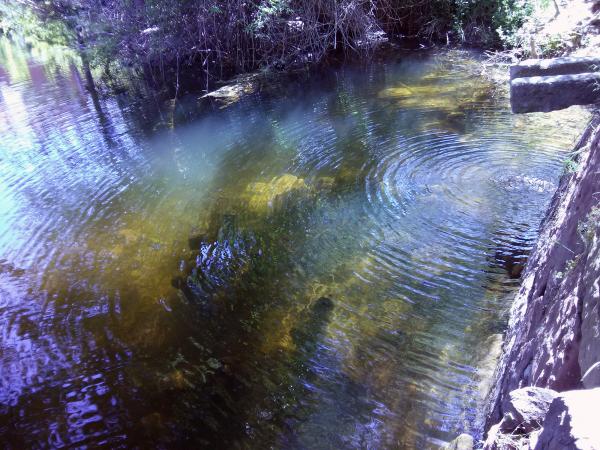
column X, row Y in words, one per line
column 315, row 266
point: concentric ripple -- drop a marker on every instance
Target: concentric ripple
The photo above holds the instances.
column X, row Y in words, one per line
column 448, row 192
column 317, row 268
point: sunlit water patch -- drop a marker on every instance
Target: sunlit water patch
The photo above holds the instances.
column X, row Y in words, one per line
column 316, row 268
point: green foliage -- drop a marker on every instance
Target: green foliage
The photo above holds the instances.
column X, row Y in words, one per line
column 33, row 24
column 509, row 17
column 553, row 46
column 487, row 21
column 570, row 166
column 481, row 22
column 162, row 37
column 268, row 11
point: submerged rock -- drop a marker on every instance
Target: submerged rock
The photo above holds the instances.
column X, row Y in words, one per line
column 261, row 196
column 323, row 304
column 235, row 90
column 220, row 261
column 487, row 358
column 311, row 325
column 428, row 90
column 438, row 94
column 512, row 262
column 462, row 442
column 519, row 183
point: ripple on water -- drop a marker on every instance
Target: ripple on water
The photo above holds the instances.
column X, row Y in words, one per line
column 444, row 193
column 399, row 197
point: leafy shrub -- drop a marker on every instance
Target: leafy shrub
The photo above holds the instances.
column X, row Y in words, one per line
column 510, row 17
column 162, row 37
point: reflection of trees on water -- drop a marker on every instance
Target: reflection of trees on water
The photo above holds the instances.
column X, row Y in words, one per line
column 286, row 328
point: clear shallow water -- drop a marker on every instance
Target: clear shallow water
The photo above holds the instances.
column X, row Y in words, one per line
column 315, row 268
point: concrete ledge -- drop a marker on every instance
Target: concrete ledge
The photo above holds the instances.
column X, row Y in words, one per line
column 554, row 66
column 549, row 93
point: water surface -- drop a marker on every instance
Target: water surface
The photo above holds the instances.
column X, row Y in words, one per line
column 318, row 267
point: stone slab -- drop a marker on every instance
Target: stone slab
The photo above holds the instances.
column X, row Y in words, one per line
column 549, row 93
column 554, row 66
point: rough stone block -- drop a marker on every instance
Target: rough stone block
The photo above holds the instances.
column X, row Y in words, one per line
column 549, row 93
column 554, row 66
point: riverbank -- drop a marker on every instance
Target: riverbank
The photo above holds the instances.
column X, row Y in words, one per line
column 548, row 368
column 168, row 43
column 553, row 340
column 568, row 28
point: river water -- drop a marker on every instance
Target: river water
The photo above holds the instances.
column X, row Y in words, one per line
column 318, row 265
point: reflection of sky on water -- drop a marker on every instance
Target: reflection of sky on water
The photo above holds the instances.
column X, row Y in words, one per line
column 98, row 198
